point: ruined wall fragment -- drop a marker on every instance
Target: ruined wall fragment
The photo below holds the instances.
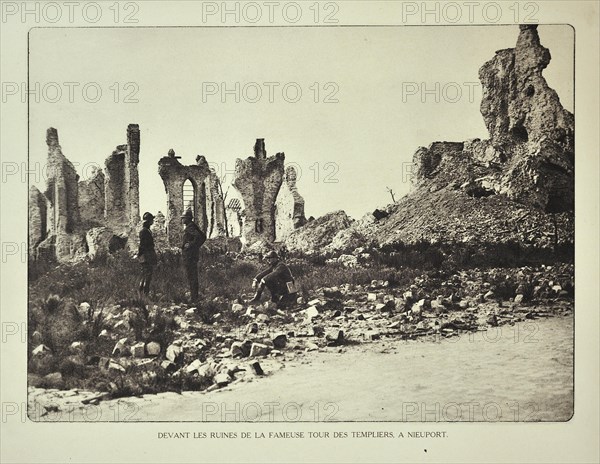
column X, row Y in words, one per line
column 37, row 219
column 91, row 199
column 258, row 180
column 215, row 207
column 159, row 231
column 122, row 201
column 62, row 188
column 289, row 207
column 174, row 175
column 234, row 214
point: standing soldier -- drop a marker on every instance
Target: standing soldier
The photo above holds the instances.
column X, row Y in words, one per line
column 193, row 238
column 278, row 279
column 146, row 253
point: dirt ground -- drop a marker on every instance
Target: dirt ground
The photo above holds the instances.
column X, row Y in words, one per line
column 520, row 372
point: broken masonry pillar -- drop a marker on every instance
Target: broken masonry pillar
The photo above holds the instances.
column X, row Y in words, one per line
column 122, row 199
column 215, row 207
column 62, row 188
column 289, row 207
column 37, row 219
column 258, row 179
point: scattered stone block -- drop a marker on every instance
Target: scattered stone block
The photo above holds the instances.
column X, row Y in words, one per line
column 373, row 335
column 263, row 318
column 115, row 367
column 122, row 325
column 236, row 349
column 318, row 331
column 153, row 349
column 280, row 340
column 519, row 298
column 120, row 347
column 335, row 336
column 236, row 308
column 222, row 379
column 76, row 347
column 259, row 349
column 311, row 346
column 41, row 350
column 138, row 350
column 311, row 312
column 371, row 296
column 257, row 368
column 54, row 380
column 194, row 366
column 168, row 366
column 174, row 354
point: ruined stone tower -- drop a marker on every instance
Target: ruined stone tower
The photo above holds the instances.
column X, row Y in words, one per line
column 258, row 180
column 289, row 207
column 122, row 201
column 37, row 218
column 62, row 189
column 174, row 176
column 215, row 208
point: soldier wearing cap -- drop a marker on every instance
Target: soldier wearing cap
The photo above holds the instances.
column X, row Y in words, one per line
column 193, row 238
column 278, row 279
column 146, row 253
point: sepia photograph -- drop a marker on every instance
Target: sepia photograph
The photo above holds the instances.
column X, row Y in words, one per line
column 299, row 231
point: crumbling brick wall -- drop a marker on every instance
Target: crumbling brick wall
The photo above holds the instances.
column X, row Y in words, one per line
column 37, row 218
column 289, row 207
column 215, row 208
column 258, row 179
column 174, row 175
column 91, row 200
column 122, row 208
column 62, row 188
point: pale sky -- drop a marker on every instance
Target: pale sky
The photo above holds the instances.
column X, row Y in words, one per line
column 362, row 141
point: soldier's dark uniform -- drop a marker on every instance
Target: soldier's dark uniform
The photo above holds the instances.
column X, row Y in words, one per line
column 146, row 254
column 279, row 280
column 193, row 238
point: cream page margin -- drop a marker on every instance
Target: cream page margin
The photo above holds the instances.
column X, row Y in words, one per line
column 574, row 441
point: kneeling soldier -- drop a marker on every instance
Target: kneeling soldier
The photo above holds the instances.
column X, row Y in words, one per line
column 278, row 279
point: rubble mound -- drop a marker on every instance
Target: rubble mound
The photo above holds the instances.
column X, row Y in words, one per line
column 315, row 235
